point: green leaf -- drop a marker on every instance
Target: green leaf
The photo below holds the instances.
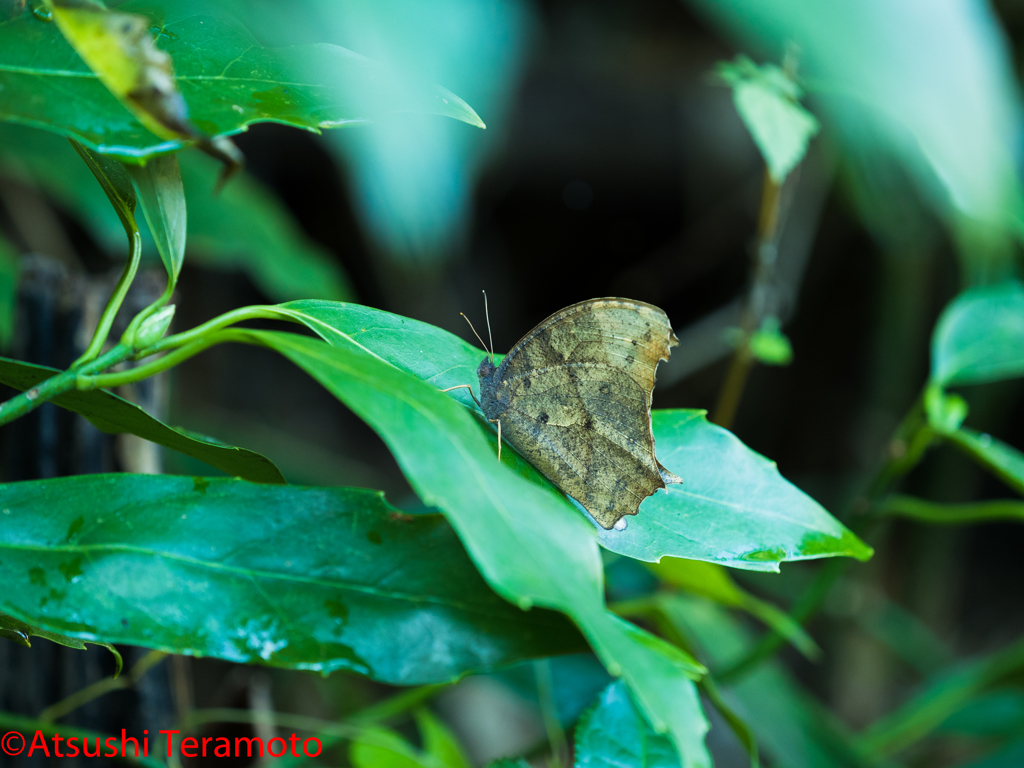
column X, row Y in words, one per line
column 304, row 578
column 115, row 415
column 980, row 337
column 163, row 203
column 9, row 271
column 20, row 632
column 114, row 180
column 952, row 514
column 227, row 78
column 713, row 581
column 769, row 345
column 120, row 51
column 439, row 742
column 733, row 506
column 612, row 734
column 1002, row 460
column 525, row 538
column 768, row 101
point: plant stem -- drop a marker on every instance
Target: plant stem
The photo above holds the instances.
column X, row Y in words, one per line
column 765, row 256
column 99, row 338
column 952, row 514
column 101, row 687
column 57, row 385
column 258, row 312
column 108, row 380
column 84, row 375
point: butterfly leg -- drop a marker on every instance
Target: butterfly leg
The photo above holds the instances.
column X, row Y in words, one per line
column 464, row 386
column 498, row 422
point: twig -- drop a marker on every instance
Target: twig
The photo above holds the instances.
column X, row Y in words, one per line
column 757, row 305
column 101, row 687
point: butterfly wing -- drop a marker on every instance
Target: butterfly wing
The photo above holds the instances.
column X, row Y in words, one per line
column 577, row 397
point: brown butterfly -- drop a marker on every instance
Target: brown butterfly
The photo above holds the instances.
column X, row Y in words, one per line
column 574, row 398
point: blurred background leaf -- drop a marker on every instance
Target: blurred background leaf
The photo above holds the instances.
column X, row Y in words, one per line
column 412, row 176
column 930, row 84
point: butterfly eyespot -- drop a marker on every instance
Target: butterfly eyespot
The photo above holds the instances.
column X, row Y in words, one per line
column 633, row 342
column 589, row 423
column 526, row 383
column 543, row 418
column 630, row 359
column 605, row 389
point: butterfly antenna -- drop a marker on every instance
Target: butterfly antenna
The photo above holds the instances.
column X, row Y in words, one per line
column 474, row 331
column 487, row 314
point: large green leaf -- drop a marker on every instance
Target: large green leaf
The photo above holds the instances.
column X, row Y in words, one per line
column 245, row 226
column 980, row 336
column 612, row 734
column 525, row 537
column 228, row 80
column 733, row 506
column 115, row 415
column 309, row 578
